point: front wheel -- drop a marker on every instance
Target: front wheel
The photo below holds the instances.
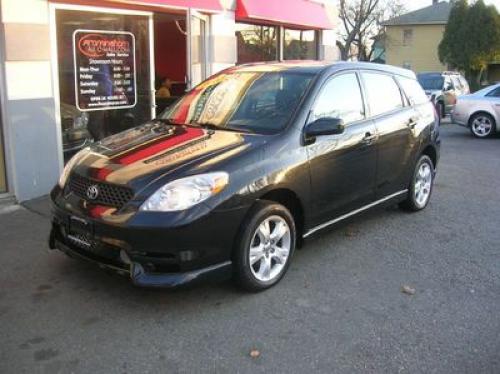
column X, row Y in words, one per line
column 482, row 125
column 419, row 192
column 265, row 246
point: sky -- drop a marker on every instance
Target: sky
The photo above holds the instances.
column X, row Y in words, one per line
column 417, row 4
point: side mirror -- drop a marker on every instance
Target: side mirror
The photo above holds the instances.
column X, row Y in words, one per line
column 325, row 126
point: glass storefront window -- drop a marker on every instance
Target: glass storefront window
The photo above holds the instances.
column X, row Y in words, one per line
column 104, row 75
column 256, row 43
column 300, row 45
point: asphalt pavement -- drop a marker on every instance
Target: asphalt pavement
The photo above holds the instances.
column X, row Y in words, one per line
column 340, row 308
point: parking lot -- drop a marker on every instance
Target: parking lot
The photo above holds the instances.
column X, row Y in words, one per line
column 339, row 309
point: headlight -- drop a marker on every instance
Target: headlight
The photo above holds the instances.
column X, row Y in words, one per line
column 184, row 193
column 69, row 165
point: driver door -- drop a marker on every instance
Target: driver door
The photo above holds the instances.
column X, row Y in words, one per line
column 342, row 166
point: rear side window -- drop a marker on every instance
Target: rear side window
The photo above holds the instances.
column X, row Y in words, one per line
column 413, row 91
column 340, row 98
column 383, row 93
column 456, row 82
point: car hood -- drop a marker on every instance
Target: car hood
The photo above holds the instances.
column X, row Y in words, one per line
column 141, row 155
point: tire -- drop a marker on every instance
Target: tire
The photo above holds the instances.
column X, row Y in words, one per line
column 420, row 188
column 482, row 125
column 277, row 255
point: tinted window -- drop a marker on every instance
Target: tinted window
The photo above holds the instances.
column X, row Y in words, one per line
column 494, row 93
column 340, row 98
column 413, row 90
column 383, row 93
column 431, row 82
column 255, row 101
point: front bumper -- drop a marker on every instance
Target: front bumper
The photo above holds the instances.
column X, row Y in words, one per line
column 149, row 249
column 140, row 277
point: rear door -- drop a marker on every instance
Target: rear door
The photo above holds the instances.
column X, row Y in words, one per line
column 395, row 122
column 342, row 166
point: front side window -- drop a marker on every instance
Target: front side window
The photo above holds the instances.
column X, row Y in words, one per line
column 300, row 45
column 494, row 93
column 383, row 93
column 413, row 90
column 256, row 43
column 340, row 98
column 253, row 101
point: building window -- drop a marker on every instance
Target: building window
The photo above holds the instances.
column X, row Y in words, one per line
column 407, row 37
column 256, row 43
column 300, row 45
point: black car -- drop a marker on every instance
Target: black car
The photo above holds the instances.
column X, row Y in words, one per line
column 229, row 179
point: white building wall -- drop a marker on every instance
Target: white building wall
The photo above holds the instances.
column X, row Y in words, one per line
column 30, row 134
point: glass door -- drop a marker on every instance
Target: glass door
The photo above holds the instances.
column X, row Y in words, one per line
column 197, row 48
column 105, row 73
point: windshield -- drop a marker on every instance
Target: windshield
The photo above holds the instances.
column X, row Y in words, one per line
column 261, row 102
column 431, row 82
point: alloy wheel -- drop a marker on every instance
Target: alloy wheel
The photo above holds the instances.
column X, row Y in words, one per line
column 270, row 248
column 423, row 184
column 481, row 126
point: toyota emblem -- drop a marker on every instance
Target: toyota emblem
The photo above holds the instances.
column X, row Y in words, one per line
column 93, row 192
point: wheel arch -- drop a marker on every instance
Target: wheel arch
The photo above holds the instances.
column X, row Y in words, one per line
column 430, row 151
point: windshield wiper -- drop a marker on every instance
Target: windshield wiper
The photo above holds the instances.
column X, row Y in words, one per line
column 212, row 126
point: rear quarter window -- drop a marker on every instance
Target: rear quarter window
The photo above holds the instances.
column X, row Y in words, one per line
column 413, row 90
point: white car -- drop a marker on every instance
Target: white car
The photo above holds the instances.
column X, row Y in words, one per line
column 479, row 111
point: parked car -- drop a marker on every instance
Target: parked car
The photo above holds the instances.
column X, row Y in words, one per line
column 231, row 178
column 443, row 89
column 479, row 111
column 75, row 134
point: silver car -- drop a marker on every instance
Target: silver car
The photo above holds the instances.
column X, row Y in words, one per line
column 479, row 111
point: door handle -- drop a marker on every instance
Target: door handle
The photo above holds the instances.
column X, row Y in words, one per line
column 412, row 122
column 368, row 138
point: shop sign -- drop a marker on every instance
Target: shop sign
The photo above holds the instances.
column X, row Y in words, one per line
column 105, row 76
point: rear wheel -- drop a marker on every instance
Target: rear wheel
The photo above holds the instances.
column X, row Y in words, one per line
column 420, row 189
column 482, row 125
column 265, row 246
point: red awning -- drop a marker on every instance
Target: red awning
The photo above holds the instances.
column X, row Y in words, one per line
column 302, row 13
column 181, row 5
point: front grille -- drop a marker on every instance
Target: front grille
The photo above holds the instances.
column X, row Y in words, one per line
column 109, row 194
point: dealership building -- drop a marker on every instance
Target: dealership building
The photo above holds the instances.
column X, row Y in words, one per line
column 75, row 71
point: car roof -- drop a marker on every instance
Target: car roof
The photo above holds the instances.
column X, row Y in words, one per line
column 436, row 73
column 317, row 67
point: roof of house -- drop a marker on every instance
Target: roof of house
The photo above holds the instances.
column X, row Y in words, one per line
column 435, row 14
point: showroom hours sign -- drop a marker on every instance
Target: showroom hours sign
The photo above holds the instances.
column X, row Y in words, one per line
column 104, row 69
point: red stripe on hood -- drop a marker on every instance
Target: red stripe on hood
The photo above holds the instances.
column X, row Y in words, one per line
column 141, row 154
column 100, row 173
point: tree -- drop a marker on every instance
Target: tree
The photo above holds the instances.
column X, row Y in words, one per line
column 361, row 23
column 471, row 39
